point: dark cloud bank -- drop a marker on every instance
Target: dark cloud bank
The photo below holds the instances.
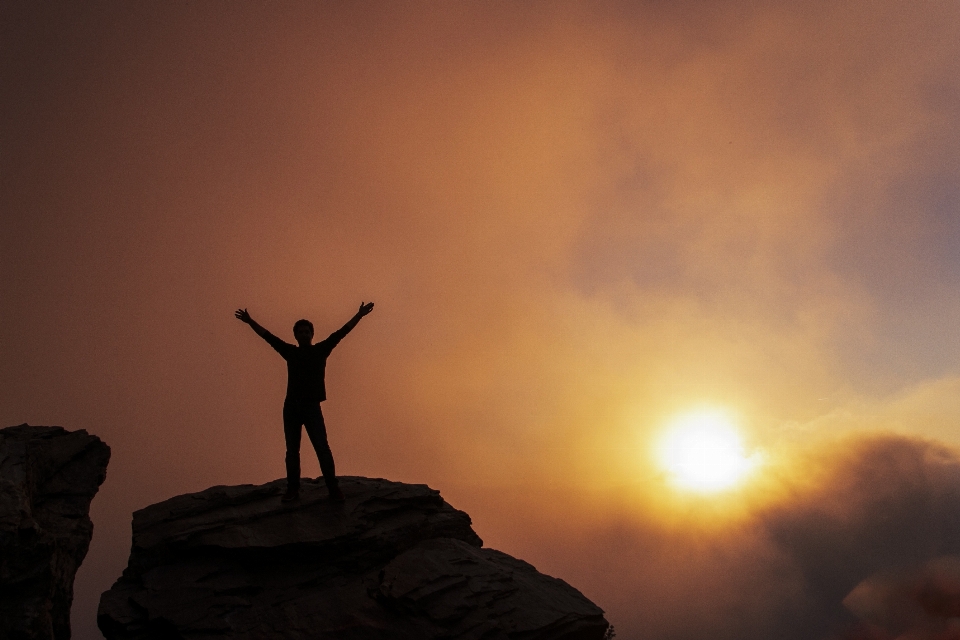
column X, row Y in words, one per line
column 874, row 508
column 890, row 503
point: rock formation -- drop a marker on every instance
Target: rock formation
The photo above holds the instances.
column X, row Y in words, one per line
column 48, row 476
column 394, row 561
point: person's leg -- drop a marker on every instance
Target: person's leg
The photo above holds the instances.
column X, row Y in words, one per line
column 317, row 431
column 292, row 421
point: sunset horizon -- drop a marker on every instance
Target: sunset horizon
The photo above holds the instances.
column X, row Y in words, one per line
column 667, row 294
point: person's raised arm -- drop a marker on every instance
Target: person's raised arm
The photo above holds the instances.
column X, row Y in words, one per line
column 243, row 316
column 339, row 334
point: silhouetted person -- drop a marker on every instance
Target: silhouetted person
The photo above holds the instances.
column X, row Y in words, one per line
column 305, row 391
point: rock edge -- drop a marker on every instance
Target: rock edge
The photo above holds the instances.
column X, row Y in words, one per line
column 48, row 477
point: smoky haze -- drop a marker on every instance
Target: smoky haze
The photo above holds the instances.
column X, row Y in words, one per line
column 575, row 219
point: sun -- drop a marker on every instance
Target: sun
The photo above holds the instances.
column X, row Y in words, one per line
column 702, row 451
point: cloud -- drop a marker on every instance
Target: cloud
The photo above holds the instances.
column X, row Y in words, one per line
column 842, row 512
column 921, row 602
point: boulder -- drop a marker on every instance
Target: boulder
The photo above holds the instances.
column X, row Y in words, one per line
column 392, row 561
column 48, row 476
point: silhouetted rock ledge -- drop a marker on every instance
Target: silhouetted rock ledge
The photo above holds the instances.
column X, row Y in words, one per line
column 394, row 561
column 48, row 476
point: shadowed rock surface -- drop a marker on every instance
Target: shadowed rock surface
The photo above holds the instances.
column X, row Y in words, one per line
column 48, row 476
column 394, row 561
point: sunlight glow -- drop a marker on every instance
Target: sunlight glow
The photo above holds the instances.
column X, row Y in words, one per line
column 703, row 452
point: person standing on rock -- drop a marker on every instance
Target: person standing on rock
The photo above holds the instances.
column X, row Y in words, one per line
column 305, row 391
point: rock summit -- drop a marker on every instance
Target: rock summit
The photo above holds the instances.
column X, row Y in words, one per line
column 393, row 561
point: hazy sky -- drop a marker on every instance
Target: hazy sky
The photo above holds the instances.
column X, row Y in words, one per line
column 576, row 220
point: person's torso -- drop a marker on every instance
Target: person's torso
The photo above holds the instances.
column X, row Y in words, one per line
column 305, row 372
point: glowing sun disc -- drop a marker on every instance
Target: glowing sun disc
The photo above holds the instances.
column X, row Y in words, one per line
column 703, row 452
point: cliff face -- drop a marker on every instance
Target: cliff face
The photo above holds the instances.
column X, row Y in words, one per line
column 48, row 476
column 394, row 561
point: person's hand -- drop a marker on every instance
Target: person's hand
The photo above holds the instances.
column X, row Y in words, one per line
column 365, row 309
column 243, row 316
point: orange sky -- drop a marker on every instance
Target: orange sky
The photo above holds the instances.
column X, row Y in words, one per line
column 575, row 219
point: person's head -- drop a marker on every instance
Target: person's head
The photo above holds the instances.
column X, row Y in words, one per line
column 303, row 332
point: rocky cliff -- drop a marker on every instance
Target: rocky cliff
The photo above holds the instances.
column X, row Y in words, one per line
column 394, row 561
column 48, row 476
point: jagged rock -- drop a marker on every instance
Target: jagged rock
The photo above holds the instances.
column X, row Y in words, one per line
column 394, row 561
column 48, row 476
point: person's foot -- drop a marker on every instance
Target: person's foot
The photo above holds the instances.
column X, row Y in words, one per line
column 290, row 496
column 336, row 495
